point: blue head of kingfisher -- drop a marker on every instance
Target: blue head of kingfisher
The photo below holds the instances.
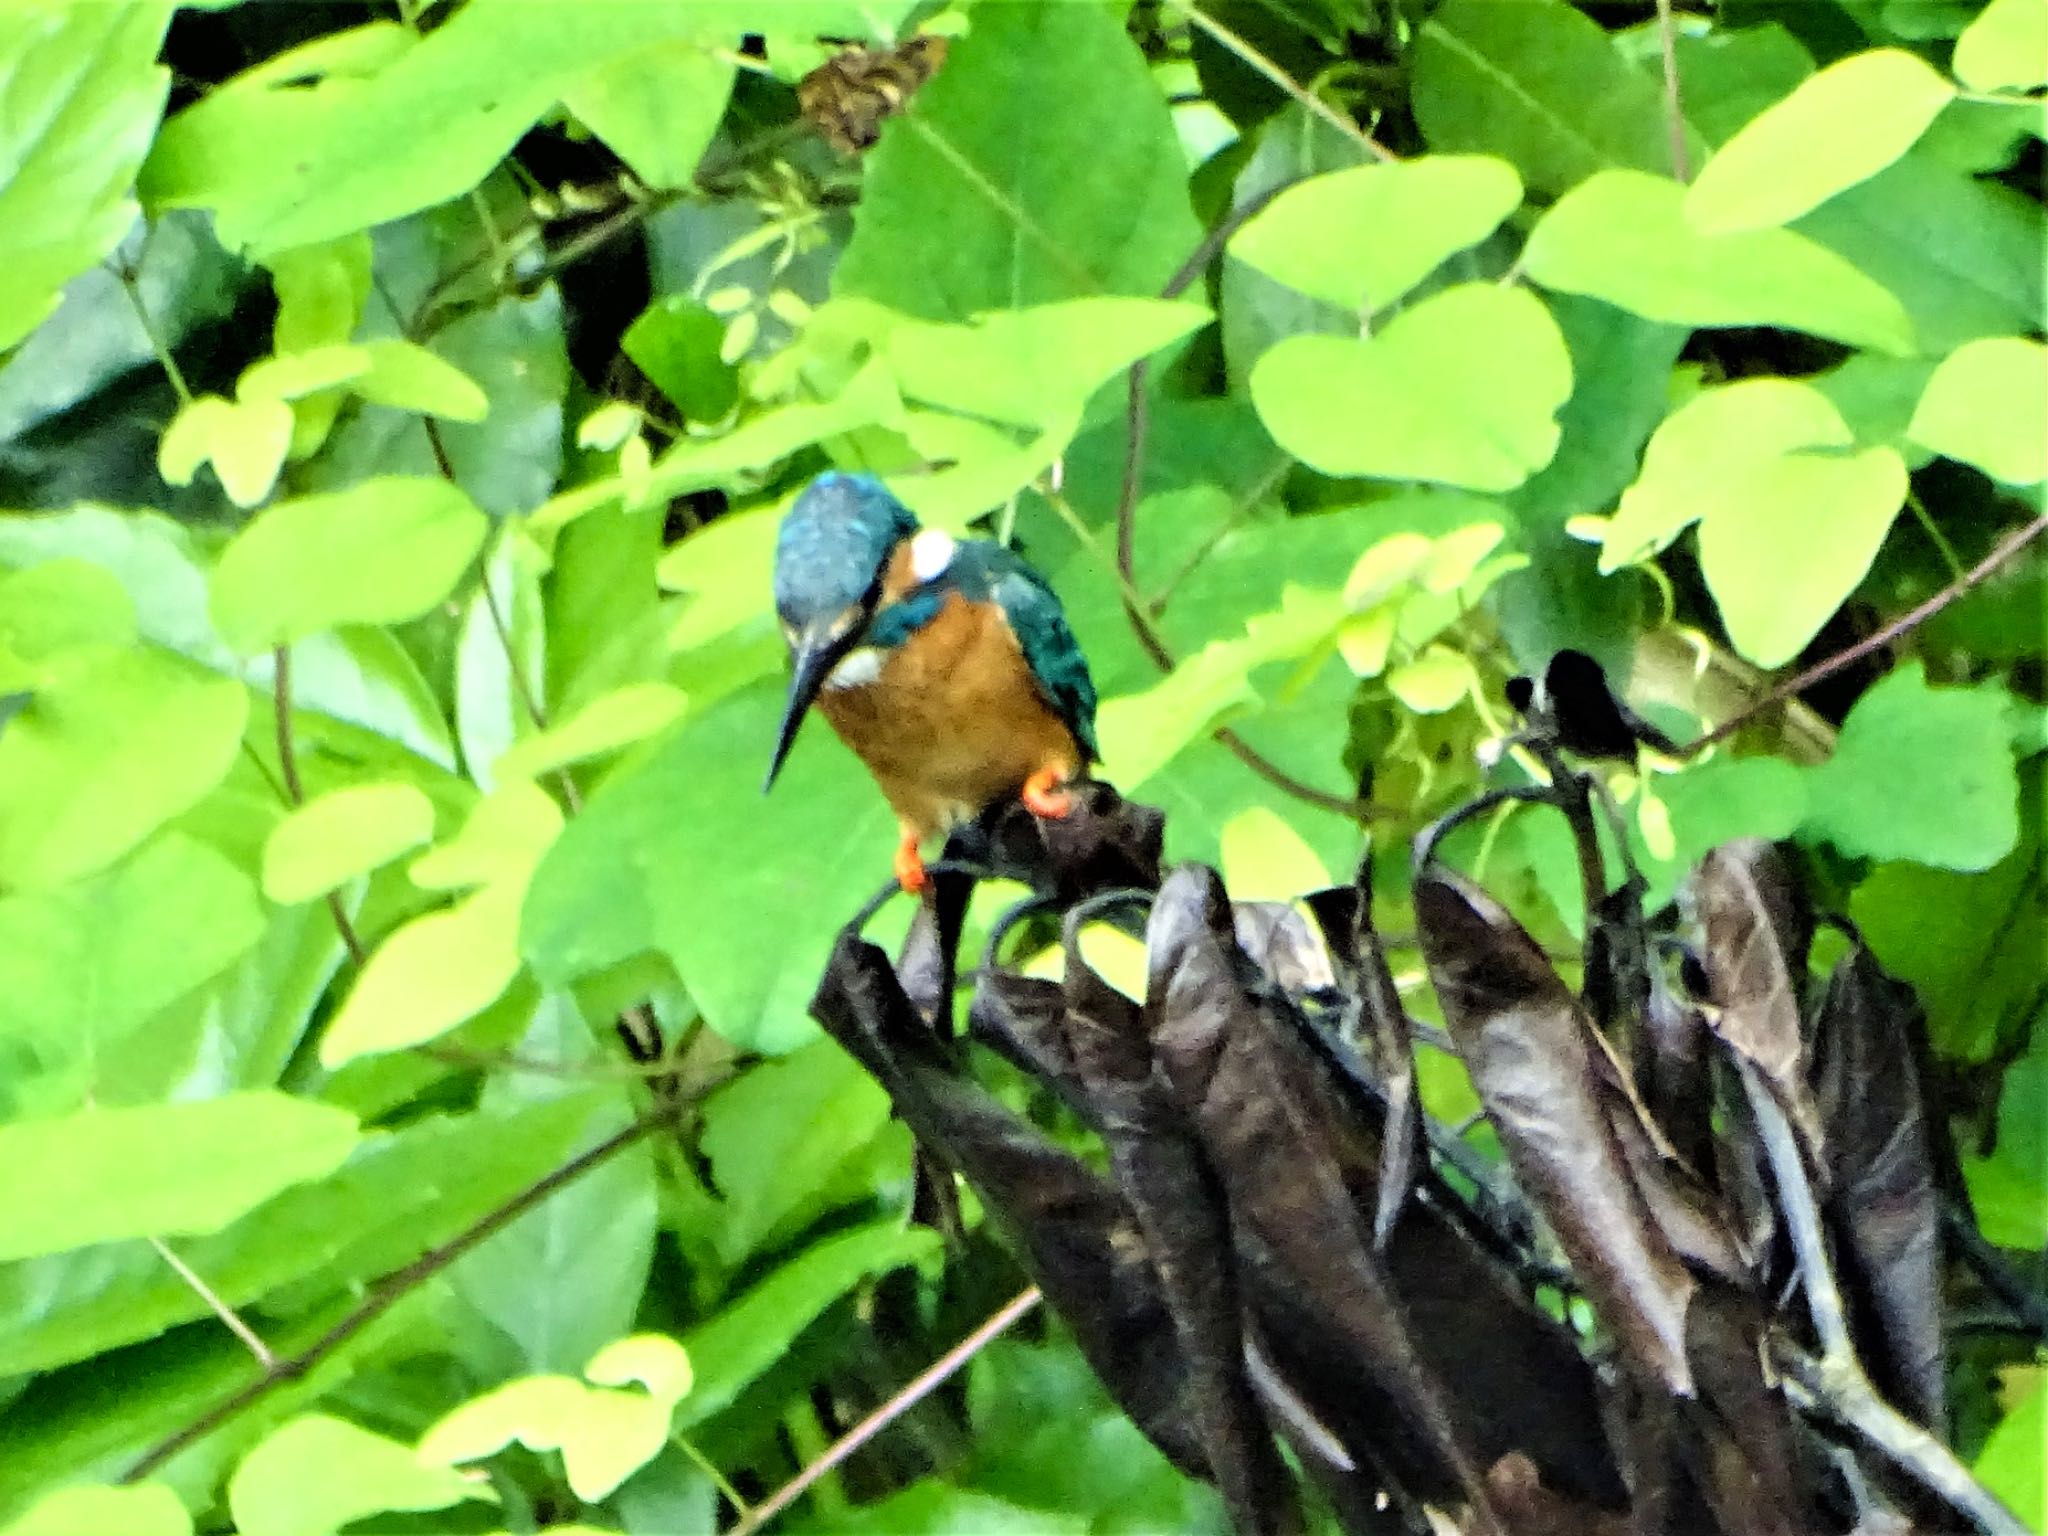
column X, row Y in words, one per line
column 830, row 558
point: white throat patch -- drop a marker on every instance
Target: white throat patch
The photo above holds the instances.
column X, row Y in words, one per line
column 856, row 669
column 931, row 551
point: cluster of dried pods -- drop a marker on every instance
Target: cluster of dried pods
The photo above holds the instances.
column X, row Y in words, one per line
column 1703, row 1294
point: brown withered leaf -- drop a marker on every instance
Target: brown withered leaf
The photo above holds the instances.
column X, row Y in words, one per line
column 1072, row 1232
column 1525, row 1042
column 1671, row 1074
column 848, row 96
column 1159, row 1169
column 1104, row 843
column 1882, row 1206
column 1292, row 1171
column 1754, row 936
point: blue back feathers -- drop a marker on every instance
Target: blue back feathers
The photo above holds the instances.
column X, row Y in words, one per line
column 833, row 544
column 981, row 571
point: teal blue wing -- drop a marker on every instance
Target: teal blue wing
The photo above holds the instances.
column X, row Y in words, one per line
column 1040, row 625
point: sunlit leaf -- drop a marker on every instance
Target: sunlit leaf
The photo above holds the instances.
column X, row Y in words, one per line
column 314, row 1474
column 139, row 1509
column 1983, row 404
column 1463, row 389
column 1920, row 773
column 1622, row 236
column 1265, row 859
column 1839, row 127
column 341, row 835
column 81, row 95
column 1362, row 238
column 160, row 1169
column 383, row 552
column 429, row 975
column 2005, row 47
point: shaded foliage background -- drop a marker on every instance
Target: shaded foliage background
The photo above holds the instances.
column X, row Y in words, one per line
column 404, row 1033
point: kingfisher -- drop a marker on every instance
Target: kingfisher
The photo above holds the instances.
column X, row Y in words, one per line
column 945, row 664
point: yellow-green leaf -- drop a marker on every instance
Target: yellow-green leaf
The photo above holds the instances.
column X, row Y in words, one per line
column 337, row 836
column 1986, row 404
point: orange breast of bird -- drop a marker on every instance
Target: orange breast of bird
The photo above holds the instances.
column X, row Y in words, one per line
column 953, row 720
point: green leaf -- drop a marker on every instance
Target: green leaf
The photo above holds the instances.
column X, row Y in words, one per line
column 351, row 140
column 604, row 1435
column 1920, row 773
column 84, row 965
column 1264, row 859
column 1463, row 388
column 675, row 342
column 776, row 1138
column 399, row 1193
column 113, row 745
column 244, row 440
column 406, row 375
column 656, row 107
column 934, row 1508
column 739, row 1342
column 139, row 1509
column 503, row 839
column 746, row 926
column 160, row 1169
column 1622, row 236
column 1788, row 528
column 335, row 837
column 1362, row 238
column 2010, row 1187
column 2011, row 1464
column 1433, row 681
column 65, row 604
column 1036, row 205
column 1540, row 85
column 1029, row 367
column 81, row 96
column 1970, row 944
column 1840, row 127
column 567, row 1276
column 2005, row 48
column 315, row 1474
column 290, row 375
column 1983, row 404
column 381, row 553
column 608, row 722
column 429, row 975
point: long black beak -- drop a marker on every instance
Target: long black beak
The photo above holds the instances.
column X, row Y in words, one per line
column 815, row 656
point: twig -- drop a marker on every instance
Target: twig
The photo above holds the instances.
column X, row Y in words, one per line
column 2001, row 552
column 1836, row 1381
column 1890, row 1433
column 217, row 1304
column 295, row 789
column 915, row 1391
column 1251, row 56
column 1137, row 420
column 1674, row 107
column 387, row 1292
column 131, row 285
column 2026, row 1304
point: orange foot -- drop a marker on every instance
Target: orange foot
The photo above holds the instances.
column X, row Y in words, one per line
column 1045, row 794
column 910, row 871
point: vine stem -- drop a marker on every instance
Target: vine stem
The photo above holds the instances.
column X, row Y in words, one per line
column 386, row 1292
column 234, row 1322
column 295, row 788
column 1674, row 105
column 2001, row 552
column 1254, row 59
column 909, row 1396
column 1137, row 423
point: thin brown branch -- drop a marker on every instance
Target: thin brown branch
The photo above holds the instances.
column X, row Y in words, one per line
column 1836, row 1383
column 295, row 788
column 913, row 1392
column 131, row 285
column 1674, row 105
column 1311, row 102
column 2001, row 552
column 1137, row 423
column 387, row 1292
column 216, row 1304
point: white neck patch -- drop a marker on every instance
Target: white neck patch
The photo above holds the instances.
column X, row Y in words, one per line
column 931, row 551
column 857, row 668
